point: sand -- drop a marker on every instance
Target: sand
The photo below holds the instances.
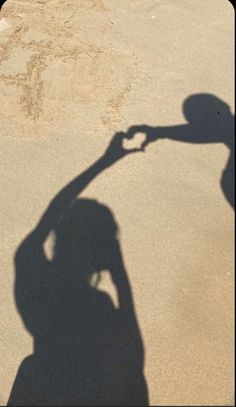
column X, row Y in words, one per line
column 74, row 72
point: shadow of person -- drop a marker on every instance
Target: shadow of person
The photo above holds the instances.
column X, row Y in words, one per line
column 209, row 121
column 86, row 351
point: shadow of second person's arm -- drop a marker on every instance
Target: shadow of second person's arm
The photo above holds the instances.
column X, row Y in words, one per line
column 208, row 120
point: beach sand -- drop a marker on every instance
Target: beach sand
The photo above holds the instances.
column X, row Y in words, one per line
column 74, row 72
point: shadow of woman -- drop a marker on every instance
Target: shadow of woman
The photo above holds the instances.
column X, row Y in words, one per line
column 209, row 120
column 86, row 351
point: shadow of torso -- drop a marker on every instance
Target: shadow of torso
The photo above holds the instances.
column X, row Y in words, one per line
column 85, row 353
column 228, row 174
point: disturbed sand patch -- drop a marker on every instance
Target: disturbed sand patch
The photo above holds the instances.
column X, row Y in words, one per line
column 52, row 70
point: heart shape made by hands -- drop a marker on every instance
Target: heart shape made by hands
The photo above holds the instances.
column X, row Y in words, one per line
column 135, row 142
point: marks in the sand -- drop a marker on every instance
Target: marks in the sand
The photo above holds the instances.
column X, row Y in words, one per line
column 50, row 77
column 97, row 5
column 21, row 68
column 93, row 88
column 30, row 84
column 22, row 64
column 33, row 86
column 112, row 114
column 54, row 71
column 12, row 41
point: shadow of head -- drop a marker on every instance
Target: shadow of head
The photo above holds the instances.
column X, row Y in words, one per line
column 85, row 237
column 85, row 352
column 210, row 115
column 206, row 109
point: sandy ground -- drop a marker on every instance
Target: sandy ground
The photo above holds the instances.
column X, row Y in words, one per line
column 74, row 72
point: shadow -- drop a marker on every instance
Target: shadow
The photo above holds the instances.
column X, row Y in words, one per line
column 86, row 351
column 209, row 121
column 1, row 3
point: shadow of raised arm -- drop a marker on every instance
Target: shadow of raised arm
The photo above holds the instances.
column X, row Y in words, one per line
column 86, row 351
column 70, row 192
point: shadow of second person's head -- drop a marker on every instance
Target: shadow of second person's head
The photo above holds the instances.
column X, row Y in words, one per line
column 205, row 109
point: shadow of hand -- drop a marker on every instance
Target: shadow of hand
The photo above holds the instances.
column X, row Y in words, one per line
column 116, row 149
column 150, row 132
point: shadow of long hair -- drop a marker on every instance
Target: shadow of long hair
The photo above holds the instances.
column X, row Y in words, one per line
column 86, row 351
